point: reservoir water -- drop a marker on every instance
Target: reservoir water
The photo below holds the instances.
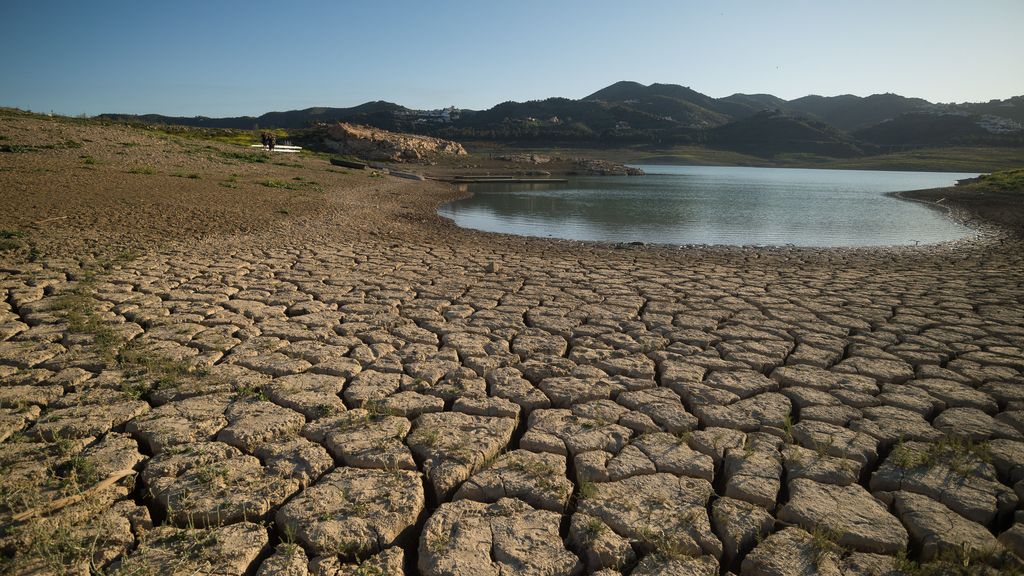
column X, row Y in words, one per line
column 718, row 205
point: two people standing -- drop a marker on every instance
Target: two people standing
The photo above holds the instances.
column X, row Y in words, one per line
column 269, row 140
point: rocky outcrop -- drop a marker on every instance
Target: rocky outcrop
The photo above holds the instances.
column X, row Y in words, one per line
column 375, row 144
column 524, row 158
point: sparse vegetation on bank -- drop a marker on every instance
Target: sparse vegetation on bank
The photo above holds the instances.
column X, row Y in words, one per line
column 1006, row 180
column 993, row 198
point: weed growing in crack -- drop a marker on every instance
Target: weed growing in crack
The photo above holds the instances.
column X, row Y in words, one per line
column 348, row 549
column 961, row 456
column 664, row 545
column 787, row 428
column 823, row 541
column 80, row 471
column 587, row 490
column 251, row 392
column 958, row 561
column 377, row 409
column 592, row 529
column 368, row 568
column 430, row 438
column 325, row 410
column 439, row 543
column 79, row 308
column 540, row 472
column 683, row 438
column 824, row 448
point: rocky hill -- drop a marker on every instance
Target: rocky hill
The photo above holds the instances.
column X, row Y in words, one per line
column 848, row 112
column 922, row 129
column 378, row 113
column 630, row 113
column 773, row 132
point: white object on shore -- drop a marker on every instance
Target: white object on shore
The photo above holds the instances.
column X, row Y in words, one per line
column 278, row 148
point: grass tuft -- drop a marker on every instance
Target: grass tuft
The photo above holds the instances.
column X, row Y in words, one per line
column 9, row 239
column 22, row 148
column 587, row 490
column 298, row 184
column 961, row 456
column 250, row 157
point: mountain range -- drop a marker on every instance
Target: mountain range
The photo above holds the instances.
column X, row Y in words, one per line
column 669, row 114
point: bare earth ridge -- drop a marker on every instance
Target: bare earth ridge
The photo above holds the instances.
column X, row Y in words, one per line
column 215, row 361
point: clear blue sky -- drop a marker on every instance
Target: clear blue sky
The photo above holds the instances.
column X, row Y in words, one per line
column 227, row 57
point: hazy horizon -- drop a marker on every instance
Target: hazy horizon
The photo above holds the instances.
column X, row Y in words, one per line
column 248, row 58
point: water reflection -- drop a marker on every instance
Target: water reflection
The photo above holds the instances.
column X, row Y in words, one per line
column 717, row 205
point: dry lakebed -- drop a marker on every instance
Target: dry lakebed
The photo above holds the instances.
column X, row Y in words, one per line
column 215, row 361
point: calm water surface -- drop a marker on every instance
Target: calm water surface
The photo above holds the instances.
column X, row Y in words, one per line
column 718, row 205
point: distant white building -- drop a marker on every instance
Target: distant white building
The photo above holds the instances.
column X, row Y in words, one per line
column 999, row 125
column 442, row 115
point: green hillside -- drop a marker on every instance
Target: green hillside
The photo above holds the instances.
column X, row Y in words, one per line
column 850, row 113
column 916, row 130
column 770, row 133
column 666, row 115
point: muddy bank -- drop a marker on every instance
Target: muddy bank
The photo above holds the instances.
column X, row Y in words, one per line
column 1001, row 208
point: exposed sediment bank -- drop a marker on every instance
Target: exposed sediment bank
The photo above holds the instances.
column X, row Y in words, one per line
column 994, row 209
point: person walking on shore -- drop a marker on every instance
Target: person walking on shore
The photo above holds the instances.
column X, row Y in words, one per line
column 265, row 139
column 272, row 140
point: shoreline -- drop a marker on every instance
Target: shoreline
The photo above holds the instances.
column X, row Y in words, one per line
column 965, row 159
column 962, row 215
column 1000, row 210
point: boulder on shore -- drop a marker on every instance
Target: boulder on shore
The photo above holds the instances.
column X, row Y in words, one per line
column 375, row 144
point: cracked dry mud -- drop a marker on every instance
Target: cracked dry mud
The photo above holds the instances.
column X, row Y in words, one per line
column 330, row 401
